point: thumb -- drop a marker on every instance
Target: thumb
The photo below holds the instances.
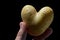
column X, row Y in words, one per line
column 22, row 26
column 22, row 32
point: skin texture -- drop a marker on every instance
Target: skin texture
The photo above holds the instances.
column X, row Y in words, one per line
column 22, row 33
column 38, row 22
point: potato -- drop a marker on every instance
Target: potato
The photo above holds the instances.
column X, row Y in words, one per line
column 38, row 22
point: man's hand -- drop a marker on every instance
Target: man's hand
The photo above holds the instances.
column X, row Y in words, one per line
column 21, row 35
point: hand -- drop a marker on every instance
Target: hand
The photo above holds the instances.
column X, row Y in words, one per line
column 22, row 33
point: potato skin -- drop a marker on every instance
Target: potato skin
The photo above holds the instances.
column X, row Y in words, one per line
column 28, row 12
column 38, row 22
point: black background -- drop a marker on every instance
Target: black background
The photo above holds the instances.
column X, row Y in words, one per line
column 11, row 17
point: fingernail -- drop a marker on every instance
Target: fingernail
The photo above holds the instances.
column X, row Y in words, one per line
column 22, row 25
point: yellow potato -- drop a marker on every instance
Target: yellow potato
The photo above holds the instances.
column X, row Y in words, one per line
column 38, row 22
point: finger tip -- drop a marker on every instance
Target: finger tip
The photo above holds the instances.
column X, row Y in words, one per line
column 22, row 25
column 50, row 31
column 46, row 34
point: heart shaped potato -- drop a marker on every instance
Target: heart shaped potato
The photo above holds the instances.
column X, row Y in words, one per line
column 38, row 22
